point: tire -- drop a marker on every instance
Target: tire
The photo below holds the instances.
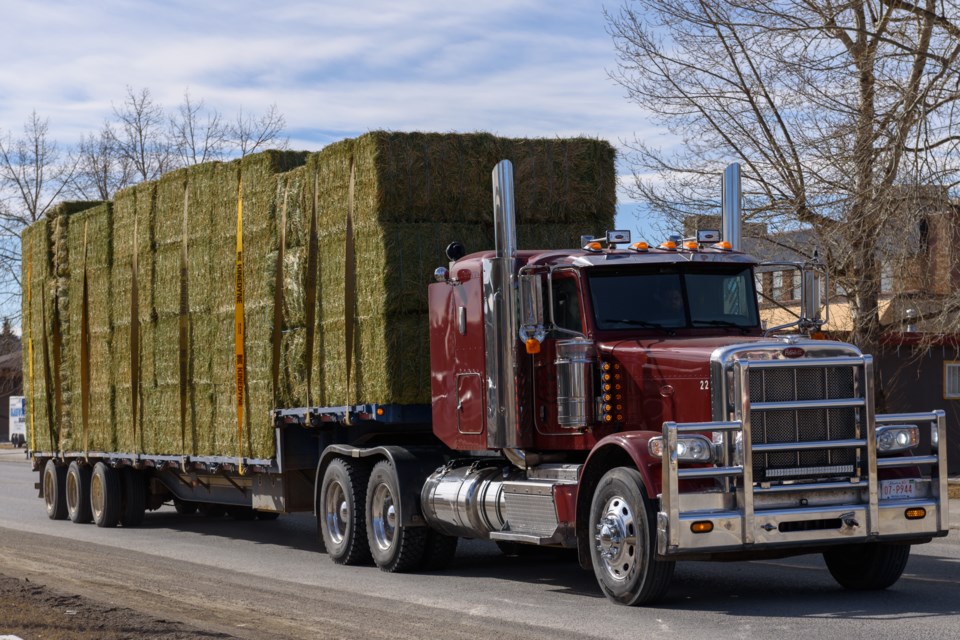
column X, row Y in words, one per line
column 55, row 490
column 241, row 513
column 341, row 512
column 439, row 551
column 624, row 550
column 78, row 493
column 395, row 548
column 184, row 508
column 105, row 495
column 211, row 510
column 133, row 497
column 867, row 567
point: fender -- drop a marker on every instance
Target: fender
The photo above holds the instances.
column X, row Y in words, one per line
column 617, row 450
column 412, row 465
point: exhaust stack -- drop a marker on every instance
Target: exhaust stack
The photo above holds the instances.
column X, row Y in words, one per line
column 731, row 209
column 500, row 329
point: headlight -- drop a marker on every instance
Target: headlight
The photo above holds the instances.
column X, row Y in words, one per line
column 892, row 438
column 692, row 448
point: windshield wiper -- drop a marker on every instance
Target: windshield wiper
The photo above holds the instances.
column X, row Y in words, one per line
column 719, row 323
column 634, row 323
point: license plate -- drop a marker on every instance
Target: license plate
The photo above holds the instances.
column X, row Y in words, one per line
column 897, row 489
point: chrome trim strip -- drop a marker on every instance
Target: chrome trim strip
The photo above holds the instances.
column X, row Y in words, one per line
column 842, row 403
column 891, row 463
column 871, row 424
column 710, row 472
column 808, row 446
column 941, row 490
column 742, row 389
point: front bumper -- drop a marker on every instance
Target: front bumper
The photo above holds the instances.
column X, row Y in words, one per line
column 749, row 517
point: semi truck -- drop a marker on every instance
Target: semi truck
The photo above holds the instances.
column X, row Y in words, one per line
column 617, row 398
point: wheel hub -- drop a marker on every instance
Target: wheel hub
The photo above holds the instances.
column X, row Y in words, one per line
column 383, row 517
column 337, row 512
column 616, row 539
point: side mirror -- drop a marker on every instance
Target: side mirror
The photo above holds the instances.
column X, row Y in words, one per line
column 532, row 329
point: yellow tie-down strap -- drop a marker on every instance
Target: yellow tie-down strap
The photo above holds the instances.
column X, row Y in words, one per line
column 33, row 426
column 238, row 329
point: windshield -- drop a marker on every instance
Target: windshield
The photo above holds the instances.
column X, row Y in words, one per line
column 674, row 296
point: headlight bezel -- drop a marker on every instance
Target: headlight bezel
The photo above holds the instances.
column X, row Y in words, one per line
column 691, row 448
column 896, row 438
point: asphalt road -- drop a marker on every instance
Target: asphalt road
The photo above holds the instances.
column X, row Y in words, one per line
column 267, row 579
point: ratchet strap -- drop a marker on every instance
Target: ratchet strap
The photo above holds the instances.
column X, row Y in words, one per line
column 349, row 292
column 29, row 319
column 278, row 298
column 184, row 323
column 135, row 337
column 311, row 301
column 85, row 352
column 238, row 328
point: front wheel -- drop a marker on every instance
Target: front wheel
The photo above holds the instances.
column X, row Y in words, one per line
column 624, row 549
column 867, row 567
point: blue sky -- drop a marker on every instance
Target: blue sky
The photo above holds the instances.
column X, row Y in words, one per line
column 511, row 67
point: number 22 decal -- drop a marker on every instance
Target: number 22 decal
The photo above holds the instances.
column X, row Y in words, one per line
column 704, row 385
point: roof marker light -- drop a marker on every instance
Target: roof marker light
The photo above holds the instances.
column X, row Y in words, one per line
column 691, row 245
column 640, row 247
column 594, row 247
column 669, row 245
column 723, row 246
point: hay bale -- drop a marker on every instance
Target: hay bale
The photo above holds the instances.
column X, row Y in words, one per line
column 132, row 235
column 87, row 273
column 37, row 313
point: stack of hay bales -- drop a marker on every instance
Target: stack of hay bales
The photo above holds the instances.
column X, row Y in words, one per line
column 45, row 263
column 339, row 247
column 412, row 195
column 85, row 272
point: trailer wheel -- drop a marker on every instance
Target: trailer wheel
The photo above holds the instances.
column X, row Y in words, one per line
column 867, row 567
column 55, row 490
column 395, row 548
column 341, row 512
column 105, row 495
column 624, row 547
column 439, row 551
column 78, row 493
column 184, row 508
column 133, row 497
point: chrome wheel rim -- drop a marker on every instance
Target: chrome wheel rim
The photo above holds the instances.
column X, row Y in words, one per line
column 616, row 539
column 337, row 512
column 383, row 517
column 96, row 496
column 48, row 489
column 73, row 492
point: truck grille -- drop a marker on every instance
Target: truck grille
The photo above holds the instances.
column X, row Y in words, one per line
column 803, row 425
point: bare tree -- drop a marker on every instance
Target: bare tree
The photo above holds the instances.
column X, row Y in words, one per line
column 101, row 171
column 831, row 107
column 197, row 133
column 141, row 136
column 33, row 172
column 251, row 133
column 34, row 175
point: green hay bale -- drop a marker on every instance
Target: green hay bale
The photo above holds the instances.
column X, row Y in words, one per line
column 431, row 177
column 37, row 311
column 90, row 254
